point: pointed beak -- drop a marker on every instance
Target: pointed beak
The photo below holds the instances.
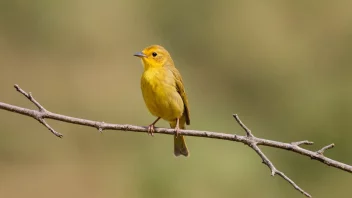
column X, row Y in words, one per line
column 139, row 54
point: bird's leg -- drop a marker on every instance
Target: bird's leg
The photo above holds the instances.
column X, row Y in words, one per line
column 151, row 127
column 177, row 128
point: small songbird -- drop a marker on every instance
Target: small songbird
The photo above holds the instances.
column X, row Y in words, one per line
column 164, row 94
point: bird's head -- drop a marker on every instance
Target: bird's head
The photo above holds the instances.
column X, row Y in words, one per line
column 155, row 56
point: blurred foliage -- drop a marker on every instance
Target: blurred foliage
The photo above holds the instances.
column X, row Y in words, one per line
column 283, row 66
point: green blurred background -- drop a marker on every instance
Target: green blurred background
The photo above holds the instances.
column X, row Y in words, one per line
column 283, row 66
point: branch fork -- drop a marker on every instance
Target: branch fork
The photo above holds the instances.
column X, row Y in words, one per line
column 254, row 145
column 42, row 111
column 249, row 139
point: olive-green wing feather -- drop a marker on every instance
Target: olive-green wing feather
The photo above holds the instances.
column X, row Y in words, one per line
column 181, row 90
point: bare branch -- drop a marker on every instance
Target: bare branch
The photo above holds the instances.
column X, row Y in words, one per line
column 321, row 151
column 30, row 98
column 274, row 171
column 50, row 128
column 266, row 160
column 248, row 132
column 249, row 139
column 306, row 142
column 42, row 111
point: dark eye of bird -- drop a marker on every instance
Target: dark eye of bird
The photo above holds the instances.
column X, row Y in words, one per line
column 154, row 54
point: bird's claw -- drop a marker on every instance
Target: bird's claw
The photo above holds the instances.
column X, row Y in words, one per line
column 177, row 131
column 151, row 130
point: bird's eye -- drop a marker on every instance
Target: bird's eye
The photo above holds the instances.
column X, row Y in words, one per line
column 154, row 54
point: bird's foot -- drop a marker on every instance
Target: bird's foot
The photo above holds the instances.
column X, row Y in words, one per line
column 151, row 130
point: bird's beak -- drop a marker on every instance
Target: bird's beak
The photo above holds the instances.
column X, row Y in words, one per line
column 139, row 54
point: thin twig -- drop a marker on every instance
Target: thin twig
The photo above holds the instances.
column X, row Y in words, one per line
column 30, row 97
column 274, row 171
column 330, row 146
column 249, row 139
column 248, row 132
column 306, row 142
column 50, row 128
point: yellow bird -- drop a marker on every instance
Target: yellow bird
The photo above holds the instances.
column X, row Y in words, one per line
column 164, row 94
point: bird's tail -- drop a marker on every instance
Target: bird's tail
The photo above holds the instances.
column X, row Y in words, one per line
column 180, row 147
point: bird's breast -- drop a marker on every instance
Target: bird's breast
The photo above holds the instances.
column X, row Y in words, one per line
column 160, row 94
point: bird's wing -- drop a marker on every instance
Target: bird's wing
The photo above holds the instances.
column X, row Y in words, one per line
column 181, row 90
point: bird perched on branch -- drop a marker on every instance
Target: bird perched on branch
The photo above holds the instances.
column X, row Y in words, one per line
column 164, row 93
